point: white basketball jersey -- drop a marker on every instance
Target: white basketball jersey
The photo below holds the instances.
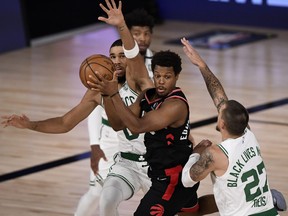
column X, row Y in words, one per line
column 129, row 142
column 243, row 190
column 148, row 59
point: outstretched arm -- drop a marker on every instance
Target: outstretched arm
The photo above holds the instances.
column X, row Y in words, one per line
column 137, row 72
column 61, row 124
column 213, row 85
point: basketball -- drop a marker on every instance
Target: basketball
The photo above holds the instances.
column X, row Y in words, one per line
column 96, row 62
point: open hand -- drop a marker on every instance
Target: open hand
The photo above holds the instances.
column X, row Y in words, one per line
column 192, row 54
column 16, row 121
column 114, row 13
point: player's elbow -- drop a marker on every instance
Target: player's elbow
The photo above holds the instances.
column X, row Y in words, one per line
column 67, row 128
column 136, row 130
column 195, row 178
column 187, row 179
column 117, row 128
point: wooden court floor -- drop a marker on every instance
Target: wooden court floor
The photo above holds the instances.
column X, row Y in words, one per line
column 43, row 82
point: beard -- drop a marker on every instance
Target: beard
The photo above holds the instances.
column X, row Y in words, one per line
column 142, row 52
column 121, row 79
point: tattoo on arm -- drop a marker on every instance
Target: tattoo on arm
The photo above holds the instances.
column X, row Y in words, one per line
column 214, row 87
column 197, row 170
column 121, row 28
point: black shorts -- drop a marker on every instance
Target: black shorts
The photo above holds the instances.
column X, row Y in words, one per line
column 167, row 196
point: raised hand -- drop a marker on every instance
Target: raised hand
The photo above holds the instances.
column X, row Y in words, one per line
column 192, row 54
column 114, row 13
column 16, row 121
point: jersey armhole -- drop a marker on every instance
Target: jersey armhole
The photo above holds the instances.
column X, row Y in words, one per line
column 223, row 150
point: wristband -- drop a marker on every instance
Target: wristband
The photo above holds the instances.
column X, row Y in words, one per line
column 186, row 178
column 132, row 53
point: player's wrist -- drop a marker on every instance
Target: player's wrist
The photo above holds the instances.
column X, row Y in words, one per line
column 112, row 95
column 32, row 125
column 121, row 26
column 202, row 66
column 132, row 53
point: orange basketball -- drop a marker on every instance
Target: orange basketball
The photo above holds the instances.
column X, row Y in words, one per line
column 97, row 62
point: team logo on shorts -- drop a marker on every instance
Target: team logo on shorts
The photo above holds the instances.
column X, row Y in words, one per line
column 157, row 210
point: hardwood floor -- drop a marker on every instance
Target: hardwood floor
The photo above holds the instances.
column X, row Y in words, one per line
column 43, row 82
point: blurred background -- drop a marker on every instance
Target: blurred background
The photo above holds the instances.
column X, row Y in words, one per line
column 22, row 21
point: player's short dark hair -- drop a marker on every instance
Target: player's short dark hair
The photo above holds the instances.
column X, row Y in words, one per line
column 117, row 42
column 167, row 59
column 235, row 116
column 139, row 17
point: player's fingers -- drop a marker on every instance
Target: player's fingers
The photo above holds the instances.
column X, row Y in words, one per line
column 103, row 19
column 5, row 117
column 113, row 4
column 103, row 8
column 98, row 75
column 115, row 75
column 104, row 157
column 108, row 4
column 120, row 5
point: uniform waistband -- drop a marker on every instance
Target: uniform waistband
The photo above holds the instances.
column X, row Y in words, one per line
column 132, row 156
column 105, row 122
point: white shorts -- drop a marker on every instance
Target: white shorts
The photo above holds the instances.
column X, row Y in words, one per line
column 134, row 173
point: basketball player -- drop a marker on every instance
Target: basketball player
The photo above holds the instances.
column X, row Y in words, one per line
column 141, row 27
column 117, row 186
column 167, row 193
column 166, row 127
column 141, row 24
column 237, row 169
column 103, row 141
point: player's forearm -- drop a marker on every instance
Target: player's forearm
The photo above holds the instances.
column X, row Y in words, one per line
column 213, row 85
column 128, row 118
column 201, row 168
column 111, row 112
column 53, row 125
column 126, row 36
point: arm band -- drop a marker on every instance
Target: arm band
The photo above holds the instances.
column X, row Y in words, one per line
column 186, row 178
column 94, row 125
column 132, row 53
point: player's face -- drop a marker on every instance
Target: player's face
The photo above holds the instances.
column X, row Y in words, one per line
column 164, row 80
column 118, row 58
column 143, row 36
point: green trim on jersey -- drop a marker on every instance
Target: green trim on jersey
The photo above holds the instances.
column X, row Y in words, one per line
column 271, row 212
column 223, row 150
